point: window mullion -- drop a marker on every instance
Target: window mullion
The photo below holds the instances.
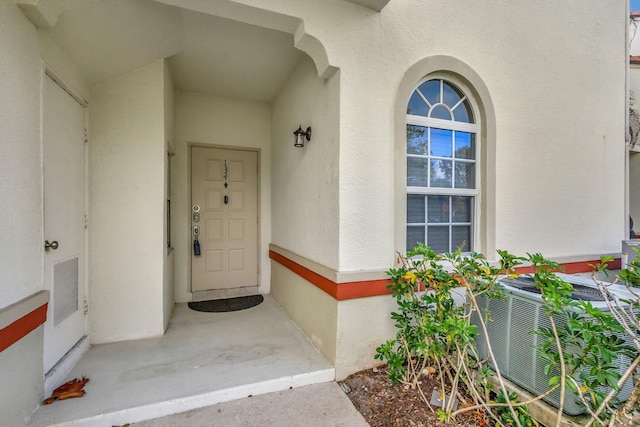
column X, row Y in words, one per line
column 443, row 191
column 453, row 157
column 450, row 221
column 424, row 98
column 426, row 220
column 429, row 158
column 458, row 103
column 441, row 123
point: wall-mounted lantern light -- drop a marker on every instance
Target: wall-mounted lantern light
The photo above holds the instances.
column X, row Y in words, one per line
column 300, row 136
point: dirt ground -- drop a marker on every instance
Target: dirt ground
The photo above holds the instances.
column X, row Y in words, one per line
column 383, row 404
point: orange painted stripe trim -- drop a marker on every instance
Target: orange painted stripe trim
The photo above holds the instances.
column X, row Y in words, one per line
column 321, row 282
column 342, row 291
column 576, row 267
column 370, row 288
column 17, row 330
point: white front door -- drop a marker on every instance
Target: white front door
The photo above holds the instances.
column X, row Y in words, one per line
column 64, row 221
column 224, row 202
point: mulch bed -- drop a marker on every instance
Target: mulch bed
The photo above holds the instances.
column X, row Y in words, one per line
column 383, row 404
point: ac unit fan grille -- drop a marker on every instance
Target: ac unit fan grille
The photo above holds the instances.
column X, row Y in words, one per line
column 580, row 292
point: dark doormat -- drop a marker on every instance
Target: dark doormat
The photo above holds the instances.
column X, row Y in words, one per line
column 227, row 304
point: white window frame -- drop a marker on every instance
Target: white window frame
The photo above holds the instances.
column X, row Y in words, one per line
column 474, row 128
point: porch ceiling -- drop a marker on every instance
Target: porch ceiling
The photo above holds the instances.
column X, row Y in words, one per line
column 372, row 4
column 206, row 53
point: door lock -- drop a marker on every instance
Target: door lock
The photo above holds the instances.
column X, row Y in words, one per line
column 50, row 245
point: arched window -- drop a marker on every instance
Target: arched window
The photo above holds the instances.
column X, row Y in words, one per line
column 442, row 174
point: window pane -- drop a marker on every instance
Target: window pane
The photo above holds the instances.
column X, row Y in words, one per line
column 440, row 112
column 438, row 238
column 465, row 145
column 417, row 172
column 431, row 91
column 461, row 208
column 463, row 113
column 438, row 209
column 461, row 237
column 441, row 142
column 415, row 208
column 417, row 106
column 416, row 140
column 414, row 236
column 465, row 175
column 441, row 173
column 450, row 94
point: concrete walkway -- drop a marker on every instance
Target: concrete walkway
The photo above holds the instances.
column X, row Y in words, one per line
column 203, row 359
column 314, row 405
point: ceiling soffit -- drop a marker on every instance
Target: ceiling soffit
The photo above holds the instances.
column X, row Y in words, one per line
column 222, row 47
column 376, row 5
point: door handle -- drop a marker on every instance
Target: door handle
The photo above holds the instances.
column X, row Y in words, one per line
column 196, row 243
column 53, row 245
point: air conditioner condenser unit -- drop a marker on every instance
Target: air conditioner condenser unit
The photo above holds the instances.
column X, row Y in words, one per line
column 515, row 347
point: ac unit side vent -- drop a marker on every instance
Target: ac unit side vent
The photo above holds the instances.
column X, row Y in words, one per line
column 515, row 347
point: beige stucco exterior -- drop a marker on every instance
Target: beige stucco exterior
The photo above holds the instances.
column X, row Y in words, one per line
column 633, row 166
column 548, row 82
column 213, row 120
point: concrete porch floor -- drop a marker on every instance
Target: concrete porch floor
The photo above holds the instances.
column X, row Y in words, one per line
column 203, row 359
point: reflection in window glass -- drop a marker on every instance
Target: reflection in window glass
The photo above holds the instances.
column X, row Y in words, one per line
column 450, row 95
column 463, row 113
column 415, row 209
column 441, row 160
column 461, row 237
column 465, row 175
column 465, row 145
column 431, row 91
column 438, row 238
column 461, row 209
column 415, row 235
column 441, row 140
column 446, row 216
column 417, row 172
column 437, row 209
column 416, row 140
column 440, row 112
column 417, row 106
column 441, row 173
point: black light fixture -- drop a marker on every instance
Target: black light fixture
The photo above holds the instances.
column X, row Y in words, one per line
column 300, row 136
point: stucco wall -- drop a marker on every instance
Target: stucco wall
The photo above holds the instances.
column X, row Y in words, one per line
column 634, row 157
column 634, row 189
column 315, row 312
column 20, row 160
column 363, row 325
column 58, row 61
column 127, row 205
column 168, row 294
column 22, row 379
column 305, row 180
column 560, row 115
column 229, row 122
column 21, row 252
